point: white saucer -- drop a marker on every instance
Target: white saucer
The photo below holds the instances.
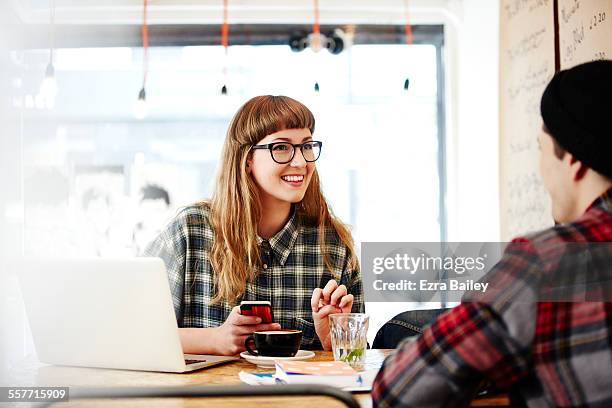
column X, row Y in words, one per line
column 268, row 362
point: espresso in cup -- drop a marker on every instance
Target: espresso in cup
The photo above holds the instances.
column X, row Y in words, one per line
column 274, row 343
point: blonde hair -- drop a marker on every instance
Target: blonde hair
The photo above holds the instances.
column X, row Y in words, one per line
column 235, row 207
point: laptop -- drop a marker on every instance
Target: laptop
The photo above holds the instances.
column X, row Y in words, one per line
column 107, row 313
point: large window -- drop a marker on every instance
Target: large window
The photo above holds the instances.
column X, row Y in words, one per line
column 98, row 181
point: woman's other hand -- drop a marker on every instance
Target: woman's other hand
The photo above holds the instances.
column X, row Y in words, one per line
column 324, row 302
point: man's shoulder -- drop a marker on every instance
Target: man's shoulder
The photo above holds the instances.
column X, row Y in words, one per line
column 590, row 227
column 564, row 243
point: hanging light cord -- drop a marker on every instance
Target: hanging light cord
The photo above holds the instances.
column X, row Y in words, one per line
column 407, row 26
column 225, row 35
column 52, row 29
column 316, row 28
column 225, row 45
column 224, row 27
column 145, row 44
column 409, row 38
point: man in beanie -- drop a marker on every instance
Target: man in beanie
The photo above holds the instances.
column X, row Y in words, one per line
column 551, row 351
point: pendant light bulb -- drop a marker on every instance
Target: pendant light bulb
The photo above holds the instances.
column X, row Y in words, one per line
column 48, row 87
column 406, row 84
column 141, row 109
column 316, row 87
column 224, row 90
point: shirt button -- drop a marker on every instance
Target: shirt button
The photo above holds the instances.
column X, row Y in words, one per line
column 265, row 266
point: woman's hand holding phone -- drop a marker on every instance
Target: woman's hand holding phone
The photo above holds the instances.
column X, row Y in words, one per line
column 230, row 336
column 324, row 302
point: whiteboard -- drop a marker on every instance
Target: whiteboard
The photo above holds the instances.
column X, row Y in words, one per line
column 585, row 31
column 527, row 63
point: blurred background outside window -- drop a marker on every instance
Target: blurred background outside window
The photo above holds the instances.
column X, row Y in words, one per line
column 101, row 178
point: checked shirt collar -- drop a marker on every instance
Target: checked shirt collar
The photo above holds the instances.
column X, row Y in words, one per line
column 604, row 201
column 283, row 241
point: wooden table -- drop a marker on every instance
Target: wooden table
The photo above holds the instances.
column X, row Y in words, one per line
column 33, row 373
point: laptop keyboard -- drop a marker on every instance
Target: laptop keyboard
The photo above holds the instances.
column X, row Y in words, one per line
column 194, row 361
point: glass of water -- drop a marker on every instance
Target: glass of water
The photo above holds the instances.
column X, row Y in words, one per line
column 349, row 338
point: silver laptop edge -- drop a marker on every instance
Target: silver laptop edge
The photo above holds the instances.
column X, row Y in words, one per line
column 107, row 313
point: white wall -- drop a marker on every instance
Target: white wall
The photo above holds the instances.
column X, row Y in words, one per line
column 12, row 338
column 473, row 166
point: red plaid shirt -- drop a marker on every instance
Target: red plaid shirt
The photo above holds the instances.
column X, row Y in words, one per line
column 552, row 353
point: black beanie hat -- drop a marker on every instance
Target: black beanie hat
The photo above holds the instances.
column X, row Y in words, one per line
column 576, row 107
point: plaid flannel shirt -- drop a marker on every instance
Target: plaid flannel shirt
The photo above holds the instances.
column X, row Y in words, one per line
column 292, row 267
column 552, row 353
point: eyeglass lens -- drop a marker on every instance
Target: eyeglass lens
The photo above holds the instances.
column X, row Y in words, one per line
column 283, row 152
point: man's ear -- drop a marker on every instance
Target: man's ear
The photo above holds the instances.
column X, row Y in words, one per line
column 577, row 168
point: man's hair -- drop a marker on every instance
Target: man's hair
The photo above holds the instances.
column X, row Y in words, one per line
column 557, row 148
column 560, row 151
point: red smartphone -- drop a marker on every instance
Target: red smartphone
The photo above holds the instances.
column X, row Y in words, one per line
column 261, row 308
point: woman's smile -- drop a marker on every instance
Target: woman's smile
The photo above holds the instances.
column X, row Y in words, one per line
column 294, row 180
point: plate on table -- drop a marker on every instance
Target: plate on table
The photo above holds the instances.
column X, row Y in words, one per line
column 268, row 362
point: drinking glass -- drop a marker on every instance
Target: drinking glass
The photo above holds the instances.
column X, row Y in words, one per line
column 349, row 338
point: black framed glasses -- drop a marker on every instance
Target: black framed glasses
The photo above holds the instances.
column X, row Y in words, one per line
column 284, row 152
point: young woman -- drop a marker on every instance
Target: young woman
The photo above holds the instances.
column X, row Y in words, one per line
column 266, row 234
